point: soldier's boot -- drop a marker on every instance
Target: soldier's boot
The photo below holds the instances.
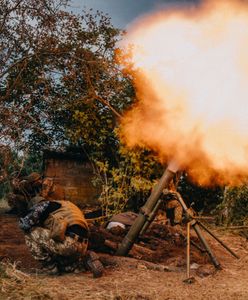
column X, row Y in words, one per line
column 93, row 264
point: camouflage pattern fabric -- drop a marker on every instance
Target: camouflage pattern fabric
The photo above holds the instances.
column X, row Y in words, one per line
column 125, row 218
column 28, row 185
column 67, row 255
column 23, row 189
column 178, row 211
column 34, row 216
column 174, row 210
column 52, row 190
column 18, row 202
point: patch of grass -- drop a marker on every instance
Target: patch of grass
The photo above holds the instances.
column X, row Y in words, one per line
column 3, row 273
column 15, row 284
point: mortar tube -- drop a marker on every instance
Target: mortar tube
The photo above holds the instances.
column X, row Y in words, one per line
column 151, row 217
column 145, row 211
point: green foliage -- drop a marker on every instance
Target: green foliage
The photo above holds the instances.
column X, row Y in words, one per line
column 234, row 208
column 127, row 183
column 203, row 199
column 61, row 86
column 3, row 273
column 57, row 71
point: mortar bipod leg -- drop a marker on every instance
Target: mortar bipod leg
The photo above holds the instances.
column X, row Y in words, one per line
column 188, row 250
column 218, row 240
column 204, row 242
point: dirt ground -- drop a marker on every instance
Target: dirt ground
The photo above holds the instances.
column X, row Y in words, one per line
column 126, row 277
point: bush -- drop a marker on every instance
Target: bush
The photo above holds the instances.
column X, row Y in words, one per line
column 203, row 199
column 234, row 208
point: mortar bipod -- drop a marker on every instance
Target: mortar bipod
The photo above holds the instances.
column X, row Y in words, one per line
column 196, row 224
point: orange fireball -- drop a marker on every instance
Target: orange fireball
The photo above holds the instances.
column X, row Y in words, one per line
column 191, row 79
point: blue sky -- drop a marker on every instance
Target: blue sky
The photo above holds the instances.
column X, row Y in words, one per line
column 122, row 12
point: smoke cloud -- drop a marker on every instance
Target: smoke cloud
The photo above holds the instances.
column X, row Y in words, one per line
column 190, row 70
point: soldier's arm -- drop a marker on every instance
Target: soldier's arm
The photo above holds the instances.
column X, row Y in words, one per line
column 37, row 214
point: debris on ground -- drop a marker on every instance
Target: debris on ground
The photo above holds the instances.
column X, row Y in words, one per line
column 154, row 269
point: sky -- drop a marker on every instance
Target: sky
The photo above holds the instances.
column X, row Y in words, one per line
column 123, row 12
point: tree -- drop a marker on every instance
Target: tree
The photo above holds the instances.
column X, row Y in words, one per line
column 233, row 210
column 53, row 62
column 60, row 85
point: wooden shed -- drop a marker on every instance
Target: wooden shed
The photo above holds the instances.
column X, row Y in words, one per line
column 71, row 174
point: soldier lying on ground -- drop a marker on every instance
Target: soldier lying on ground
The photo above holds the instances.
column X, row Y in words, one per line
column 121, row 223
column 56, row 233
column 23, row 189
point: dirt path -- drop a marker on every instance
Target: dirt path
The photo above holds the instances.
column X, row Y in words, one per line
column 12, row 243
column 126, row 278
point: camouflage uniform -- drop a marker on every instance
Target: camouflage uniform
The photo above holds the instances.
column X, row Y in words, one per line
column 66, row 256
column 120, row 223
column 23, row 189
column 177, row 211
column 18, row 203
column 51, row 190
column 50, row 242
column 174, row 210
